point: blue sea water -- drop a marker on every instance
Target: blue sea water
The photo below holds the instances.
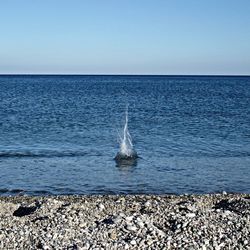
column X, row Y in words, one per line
column 59, row 134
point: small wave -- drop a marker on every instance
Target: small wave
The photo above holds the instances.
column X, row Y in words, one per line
column 3, row 190
column 20, row 192
column 219, row 154
column 11, row 191
column 226, row 154
column 40, row 154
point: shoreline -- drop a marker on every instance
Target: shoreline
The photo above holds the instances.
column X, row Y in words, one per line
column 206, row 221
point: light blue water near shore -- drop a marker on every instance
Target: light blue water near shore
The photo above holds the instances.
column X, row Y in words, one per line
column 59, row 134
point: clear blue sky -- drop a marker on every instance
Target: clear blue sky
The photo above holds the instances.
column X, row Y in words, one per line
column 125, row 36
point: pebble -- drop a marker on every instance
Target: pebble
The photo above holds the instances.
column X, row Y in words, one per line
column 133, row 242
column 101, row 206
column 149, row 242
column 227, row 212
column 129, row 218
column 206, row 242
column 185, row 224
column 73, row 222
column 131, row 228
column 190, row 215
column 140, row 224
column 126, row 246
column 117, row 219
column 113, row 235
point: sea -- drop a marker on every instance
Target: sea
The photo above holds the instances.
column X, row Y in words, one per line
column 59, row 134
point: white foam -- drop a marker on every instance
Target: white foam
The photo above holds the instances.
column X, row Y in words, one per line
column 126, row 145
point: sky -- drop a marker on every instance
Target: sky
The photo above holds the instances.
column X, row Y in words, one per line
column 125, row 37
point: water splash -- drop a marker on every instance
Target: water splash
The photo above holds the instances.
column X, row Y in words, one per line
column 126, row 146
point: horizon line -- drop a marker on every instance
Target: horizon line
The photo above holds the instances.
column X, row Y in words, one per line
column 108, row 74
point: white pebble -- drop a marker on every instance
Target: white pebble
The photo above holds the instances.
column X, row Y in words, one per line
column 227, row 212
column 133, row 242
column 206, row 241
column 129, row 218
column 101, row 206
column 140, row 224
column 126, row 246
column 131, row 228
column 190, row 215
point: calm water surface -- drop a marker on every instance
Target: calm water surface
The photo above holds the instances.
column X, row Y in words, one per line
column 59, row 134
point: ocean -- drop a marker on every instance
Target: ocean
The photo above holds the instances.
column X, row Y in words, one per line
column 59, row 134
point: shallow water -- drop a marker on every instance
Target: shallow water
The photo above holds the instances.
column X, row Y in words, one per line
column 59, row 134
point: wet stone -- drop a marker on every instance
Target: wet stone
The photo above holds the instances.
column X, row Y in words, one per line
column 23, row 211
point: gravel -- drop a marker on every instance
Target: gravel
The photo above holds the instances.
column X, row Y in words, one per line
column 212, row 221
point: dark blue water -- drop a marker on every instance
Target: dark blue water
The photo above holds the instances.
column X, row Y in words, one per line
column 59, row 134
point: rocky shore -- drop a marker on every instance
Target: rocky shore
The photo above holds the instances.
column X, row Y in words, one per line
column 217, row 221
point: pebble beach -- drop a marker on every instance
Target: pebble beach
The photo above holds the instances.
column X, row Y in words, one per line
column 212, row 221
